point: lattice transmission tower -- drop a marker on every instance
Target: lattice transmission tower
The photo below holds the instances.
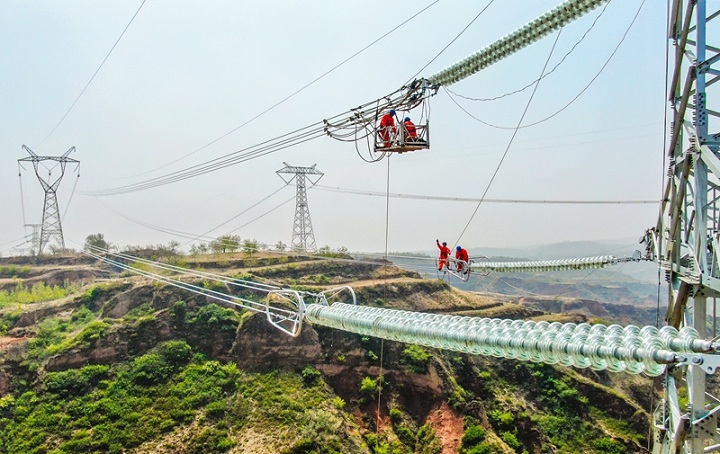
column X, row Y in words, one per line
column 303, row 238
column 686, row 240
column 51, row 226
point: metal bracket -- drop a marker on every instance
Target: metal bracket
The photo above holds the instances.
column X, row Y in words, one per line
column 452, row 268
column 287, row 320
column 333, row 295
column 705, row 428
column 708, row 363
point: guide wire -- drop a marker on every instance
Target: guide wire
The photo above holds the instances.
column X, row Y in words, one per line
column 592, row 81
column 507, row 149
column 95, row 73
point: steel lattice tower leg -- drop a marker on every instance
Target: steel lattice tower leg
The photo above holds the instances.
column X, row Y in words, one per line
column 51, row 227
column 303, row 238
column 687, row 237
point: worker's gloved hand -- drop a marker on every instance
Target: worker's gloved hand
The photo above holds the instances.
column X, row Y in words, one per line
column 437, row 241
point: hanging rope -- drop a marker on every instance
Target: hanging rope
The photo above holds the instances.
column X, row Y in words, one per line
column 507, row 149
column 67, row 207
column 569, row 103
column 22, row 197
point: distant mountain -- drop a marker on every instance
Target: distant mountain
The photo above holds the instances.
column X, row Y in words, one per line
column 569, row 249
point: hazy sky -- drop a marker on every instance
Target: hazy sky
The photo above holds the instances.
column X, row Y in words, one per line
column 187, row 72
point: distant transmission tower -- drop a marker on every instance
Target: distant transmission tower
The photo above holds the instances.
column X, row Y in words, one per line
column 35, row 239
column 51, row 227
column 303, row 238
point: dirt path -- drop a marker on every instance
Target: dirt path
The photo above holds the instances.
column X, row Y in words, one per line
column 7, row 341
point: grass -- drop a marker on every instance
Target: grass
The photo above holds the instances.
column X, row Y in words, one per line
column 39, row 292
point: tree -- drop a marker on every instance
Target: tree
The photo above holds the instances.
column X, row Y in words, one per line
column 173, row 246
column 250, row 246
column 217, row 246
column 96, row 241
column 194, row 250
column 225, row 243
column 232, row 242
column 280, row 246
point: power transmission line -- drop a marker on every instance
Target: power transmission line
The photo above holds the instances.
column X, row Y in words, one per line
column 468, row 199
column 291, row 95
column 94, row 74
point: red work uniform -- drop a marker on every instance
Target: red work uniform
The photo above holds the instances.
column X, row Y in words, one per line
column 461, row 255
column 411, row 131
column 444, row 254
column 387, row 126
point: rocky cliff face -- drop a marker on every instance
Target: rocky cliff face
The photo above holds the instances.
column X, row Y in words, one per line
column 382, row 396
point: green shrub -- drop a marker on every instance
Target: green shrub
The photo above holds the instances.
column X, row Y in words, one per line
column 91, row 295
column 368, row 388
column 339, row 402
column 511, row 440
column 482, row 448
column 310, row 375
column 502, row 419
column 472, row 436
column 8, row 319
column 74, row 381
column 215, row 318
column 214, row 286
column 406, row 436
column 209, row 440
column 150, row 369
column 417, row 358
column 91, row 333
column 216, row 409
column 426, row 442
column 178, row 314
column 458, row 395
column 607, row 445
column 82, row 316
column 7, row 404
column 396, row 416
column 176, row 353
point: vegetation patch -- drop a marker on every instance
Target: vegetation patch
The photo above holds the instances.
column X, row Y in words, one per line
column 39, row 292
column 14, row 271
column 417, row 358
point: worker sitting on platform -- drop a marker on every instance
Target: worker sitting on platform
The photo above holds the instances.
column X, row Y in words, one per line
column 461, row 255
column 410, row 131
column 387, row 128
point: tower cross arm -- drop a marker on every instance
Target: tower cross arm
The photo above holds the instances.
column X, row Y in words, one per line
column 62, row 159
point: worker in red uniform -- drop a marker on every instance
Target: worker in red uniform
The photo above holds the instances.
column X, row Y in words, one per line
column 461, row 255
column 411, row 132
column 387, row 127
column 444, row 254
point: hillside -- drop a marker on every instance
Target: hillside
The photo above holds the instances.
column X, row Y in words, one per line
column 92, row 360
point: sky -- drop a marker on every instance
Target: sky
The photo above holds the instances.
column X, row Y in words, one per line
column 187, row 73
